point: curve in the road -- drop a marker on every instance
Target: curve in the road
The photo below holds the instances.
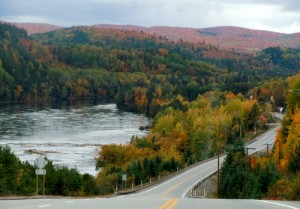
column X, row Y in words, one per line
column 180, row 185
column 168, row 195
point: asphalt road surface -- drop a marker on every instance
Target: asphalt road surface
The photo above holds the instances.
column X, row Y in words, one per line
column 170, row 194
column 146, row 203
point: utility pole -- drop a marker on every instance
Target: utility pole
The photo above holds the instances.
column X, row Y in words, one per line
column 240, row 127
column 279, row 155
column 268, row 144
column 240, row 131
column 246, row 160
column 218, row 173
column 218, row 183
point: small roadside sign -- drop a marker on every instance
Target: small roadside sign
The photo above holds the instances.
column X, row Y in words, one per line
column 41, row 172
column 40, row 162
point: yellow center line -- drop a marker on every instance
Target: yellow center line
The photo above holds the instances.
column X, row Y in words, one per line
column 169, row 204
column 177, row 185
column 172, row 204
column 165, row 204
column 170, row 189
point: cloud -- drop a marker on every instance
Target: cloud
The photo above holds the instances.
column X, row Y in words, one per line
column 68, row 12
column 261, row 16
column 26, row 18
column 278, row 15
column 288, row 5
column 292, row 5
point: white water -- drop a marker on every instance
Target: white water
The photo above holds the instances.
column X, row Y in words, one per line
column 68, row 136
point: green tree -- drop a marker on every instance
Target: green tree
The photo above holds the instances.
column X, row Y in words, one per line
column 232, row 176
column 293, row 164
column 254, row 113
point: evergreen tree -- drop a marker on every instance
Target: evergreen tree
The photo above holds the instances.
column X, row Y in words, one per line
column 232, row 178
column 294, row 163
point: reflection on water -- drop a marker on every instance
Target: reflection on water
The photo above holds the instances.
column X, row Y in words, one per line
column 68, row 135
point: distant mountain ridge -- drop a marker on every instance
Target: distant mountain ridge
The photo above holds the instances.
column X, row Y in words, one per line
column 226, row 37
column 33, row 28
column 138, row 70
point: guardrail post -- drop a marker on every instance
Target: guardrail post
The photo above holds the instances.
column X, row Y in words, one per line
column 116, row 191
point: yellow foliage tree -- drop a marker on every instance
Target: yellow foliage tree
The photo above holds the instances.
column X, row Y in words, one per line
column 292, row 141
column 140, row 98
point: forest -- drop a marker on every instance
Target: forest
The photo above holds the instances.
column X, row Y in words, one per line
column 138, row 71
column 18, row 178
column 200, row 97
column 273, row 174
column 182, row 134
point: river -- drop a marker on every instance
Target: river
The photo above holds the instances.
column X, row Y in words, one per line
column 68, row 135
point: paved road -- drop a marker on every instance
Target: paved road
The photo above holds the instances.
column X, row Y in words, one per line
column 168, row 195
column 146, row 203
column 179, row 186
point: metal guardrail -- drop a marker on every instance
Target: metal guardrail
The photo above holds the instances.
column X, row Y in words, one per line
column 153, row 183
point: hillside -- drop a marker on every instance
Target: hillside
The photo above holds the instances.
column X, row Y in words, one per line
column 194, row 92
column 247, row 39
column 225, row 37
column 137, row 70
column 273, row 60
column 33, row 28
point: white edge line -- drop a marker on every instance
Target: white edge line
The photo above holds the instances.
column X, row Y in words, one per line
column 43, row 206
column 167, row 181
column 263, row 137
column 196, row 183
column 189, row 172
column 216, row 170
column 275, row 203
column 267, row 134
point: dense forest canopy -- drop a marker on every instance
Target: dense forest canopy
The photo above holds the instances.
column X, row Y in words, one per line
column 139, row 71
column 273, row 174
column 201, row 98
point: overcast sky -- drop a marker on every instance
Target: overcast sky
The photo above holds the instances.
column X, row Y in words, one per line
column 274, row 15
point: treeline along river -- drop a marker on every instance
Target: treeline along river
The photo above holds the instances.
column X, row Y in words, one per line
column 69, row 135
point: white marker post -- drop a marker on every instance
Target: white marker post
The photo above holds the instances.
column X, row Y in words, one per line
column 40, row 163
column 124, row 179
